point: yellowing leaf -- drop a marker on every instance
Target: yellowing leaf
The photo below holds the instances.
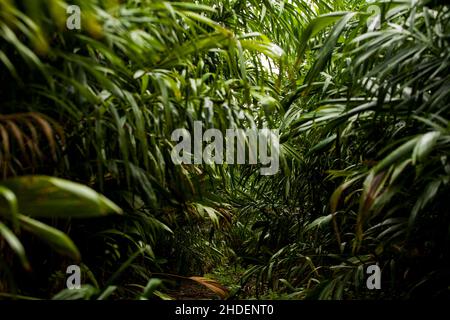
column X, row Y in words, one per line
column 213, row 285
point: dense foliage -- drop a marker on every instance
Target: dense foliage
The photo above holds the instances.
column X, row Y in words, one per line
column 360, row 94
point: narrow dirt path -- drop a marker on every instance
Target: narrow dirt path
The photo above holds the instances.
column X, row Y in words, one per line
column 190, row 290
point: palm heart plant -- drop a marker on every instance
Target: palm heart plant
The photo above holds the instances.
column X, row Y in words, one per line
column 368, row 123
column 358, row 90
column 106, row 98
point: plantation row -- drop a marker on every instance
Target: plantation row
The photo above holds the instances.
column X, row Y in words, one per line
column 97, row 94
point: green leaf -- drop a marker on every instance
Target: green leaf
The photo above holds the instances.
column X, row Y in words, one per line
column 315, row 26
column 15, row 245
column 42, row 196
column 320, row 221
column 107, row 292
column 323, row 144
column 424, row 146
column 150, row 288
column 328, row 47
column 86, row 292
column 396, row 155
column 53, row 237
column 426, row 197
column 11, row 200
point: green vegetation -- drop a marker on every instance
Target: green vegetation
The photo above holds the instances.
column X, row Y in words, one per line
column 360, row 94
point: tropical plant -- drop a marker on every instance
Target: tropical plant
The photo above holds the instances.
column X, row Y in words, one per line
column 359, row 92
column 371, row 114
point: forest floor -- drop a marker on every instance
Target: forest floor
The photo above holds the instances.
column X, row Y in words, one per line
column 190, row 290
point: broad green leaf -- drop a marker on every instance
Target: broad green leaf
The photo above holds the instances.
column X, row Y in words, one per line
column 150, row 288
column 11, row 208
column 43, row 196
column 58, row 240
column 15, row 244
column 424, row 146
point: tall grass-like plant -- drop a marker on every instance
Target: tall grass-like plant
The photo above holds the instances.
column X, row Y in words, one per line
column 370, row 119
column 358, row 90
column 101, row 104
